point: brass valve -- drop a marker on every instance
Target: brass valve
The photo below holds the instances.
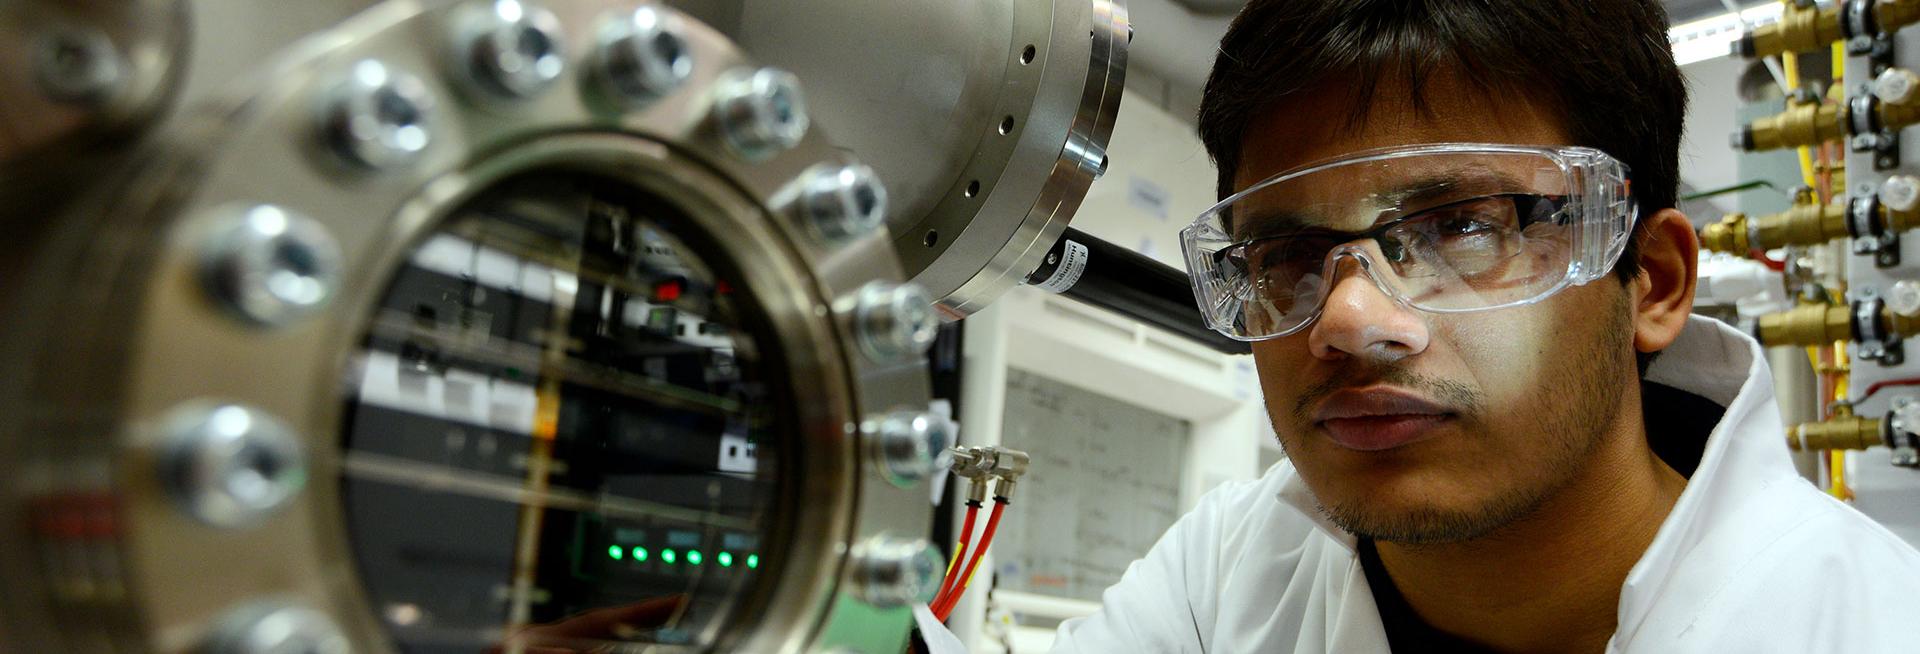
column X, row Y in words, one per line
column 1893, row 104
column 1895, row 208
column 1803, row 224
column 1824, row 324
column 1807, row 124
column 1810, row 28
column 1844, row 432
column 1818, row 324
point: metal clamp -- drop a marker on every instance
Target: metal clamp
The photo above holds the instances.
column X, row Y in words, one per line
column 1870, row 236
column 1873, row 343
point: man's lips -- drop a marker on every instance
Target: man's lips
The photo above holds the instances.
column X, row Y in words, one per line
column 1376, row 419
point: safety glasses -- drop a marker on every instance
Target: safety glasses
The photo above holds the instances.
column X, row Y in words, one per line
column 1445, row 228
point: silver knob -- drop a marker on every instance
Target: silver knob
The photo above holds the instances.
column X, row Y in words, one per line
column 271, row 265
column 895, row 323
column 510, row 48
column 643, row 57
column 846, row 202
column 379, row 117
column 906, row 445
column 231, row 466
column 278, row 629
column 890, row 572
column 79, row 65
column 761, row 112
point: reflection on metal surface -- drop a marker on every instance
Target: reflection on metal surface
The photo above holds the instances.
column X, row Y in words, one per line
column 504, row 325
column 987, row 121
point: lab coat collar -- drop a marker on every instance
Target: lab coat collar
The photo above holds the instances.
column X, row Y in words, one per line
column 1743, row 454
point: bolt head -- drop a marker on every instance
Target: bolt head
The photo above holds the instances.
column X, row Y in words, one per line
column 643, row 56
column 379, row 117
column 79, row 66
column 907, row 445
column 511, row 49
column 845, row 202
column 891, row 572
column 895, row 323
column 270, row 265
column 761, row 112
column 231, row 466
column 273, row 628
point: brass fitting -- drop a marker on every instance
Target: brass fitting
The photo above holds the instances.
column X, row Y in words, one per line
column 1800, row 29
column 1803, row 224
column 1807, row 124
column 1809, row 29
column 1818, row 324
column 1840, row 433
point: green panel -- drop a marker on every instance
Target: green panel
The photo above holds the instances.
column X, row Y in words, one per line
column 861, row 627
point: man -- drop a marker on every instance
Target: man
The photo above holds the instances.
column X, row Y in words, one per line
column 1457, row 345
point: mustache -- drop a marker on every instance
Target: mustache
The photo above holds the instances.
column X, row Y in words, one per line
column 1454, row 395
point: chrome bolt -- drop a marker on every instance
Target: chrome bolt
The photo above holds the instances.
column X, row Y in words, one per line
column 895, row 323
column 379, row 117
column 231, row 466
column 278, row 629
column 845, row 202
column 79, row 65
column 271, row 265
column 510, row 48
column 891, row 572
column 761, row 112
column 905, row 444
column 643, row 57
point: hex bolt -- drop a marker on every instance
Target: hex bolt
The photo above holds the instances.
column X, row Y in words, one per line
column 277, row 628
column 643, row 57
column 846, row 202
column 379, row 117
column 231, row 466
column 895, row 323
column 905, row 445
column 79, row 66
column 761, row 112
column 271, row 265
column 511, row 49
column 889, row 571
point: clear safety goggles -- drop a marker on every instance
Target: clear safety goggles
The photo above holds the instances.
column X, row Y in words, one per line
column 1444, row 228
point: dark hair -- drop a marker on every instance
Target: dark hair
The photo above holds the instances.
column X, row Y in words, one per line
column 1603, row 64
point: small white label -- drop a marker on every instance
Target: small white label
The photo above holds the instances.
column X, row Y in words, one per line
column 1073, row 263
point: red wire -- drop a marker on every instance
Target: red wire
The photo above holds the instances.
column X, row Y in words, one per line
column 986, row 539
column 959, row 554
column 1875, row 388
column 1761, row 256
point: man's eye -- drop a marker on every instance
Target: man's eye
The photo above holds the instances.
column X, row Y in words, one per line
column 1465, row 225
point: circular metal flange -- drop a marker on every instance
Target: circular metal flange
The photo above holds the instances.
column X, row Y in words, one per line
column 136, row 338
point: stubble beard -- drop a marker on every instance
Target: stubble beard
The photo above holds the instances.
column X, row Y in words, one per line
column 1577, row 406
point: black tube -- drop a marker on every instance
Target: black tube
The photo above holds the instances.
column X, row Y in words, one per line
column 1111, row 277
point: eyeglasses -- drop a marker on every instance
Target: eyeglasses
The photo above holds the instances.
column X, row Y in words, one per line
column 1444, row 228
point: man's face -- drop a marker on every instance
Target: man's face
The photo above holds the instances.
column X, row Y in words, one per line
column 1472, row 420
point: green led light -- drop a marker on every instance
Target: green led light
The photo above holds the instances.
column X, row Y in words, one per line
column 668, row 555
column 726, row 559
column 639, row 553
column 693, row 556
column 613, row 551
column 753, row 560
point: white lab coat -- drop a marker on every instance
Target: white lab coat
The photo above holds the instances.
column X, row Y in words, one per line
column 1752, row 558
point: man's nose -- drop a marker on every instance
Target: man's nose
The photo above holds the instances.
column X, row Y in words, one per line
column 1360, row 320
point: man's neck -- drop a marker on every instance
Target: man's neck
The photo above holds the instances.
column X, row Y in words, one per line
column 1551, row 581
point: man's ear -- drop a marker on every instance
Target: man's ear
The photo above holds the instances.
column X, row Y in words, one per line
column 1663, row 291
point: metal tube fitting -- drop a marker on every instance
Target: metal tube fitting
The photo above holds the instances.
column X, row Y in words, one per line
column 1808, row 325
column 1840, row 433
column 1803, row 224
column 1809, row 124
column 1800, row 29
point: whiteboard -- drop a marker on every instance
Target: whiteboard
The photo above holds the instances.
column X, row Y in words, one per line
column 1104, row 483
